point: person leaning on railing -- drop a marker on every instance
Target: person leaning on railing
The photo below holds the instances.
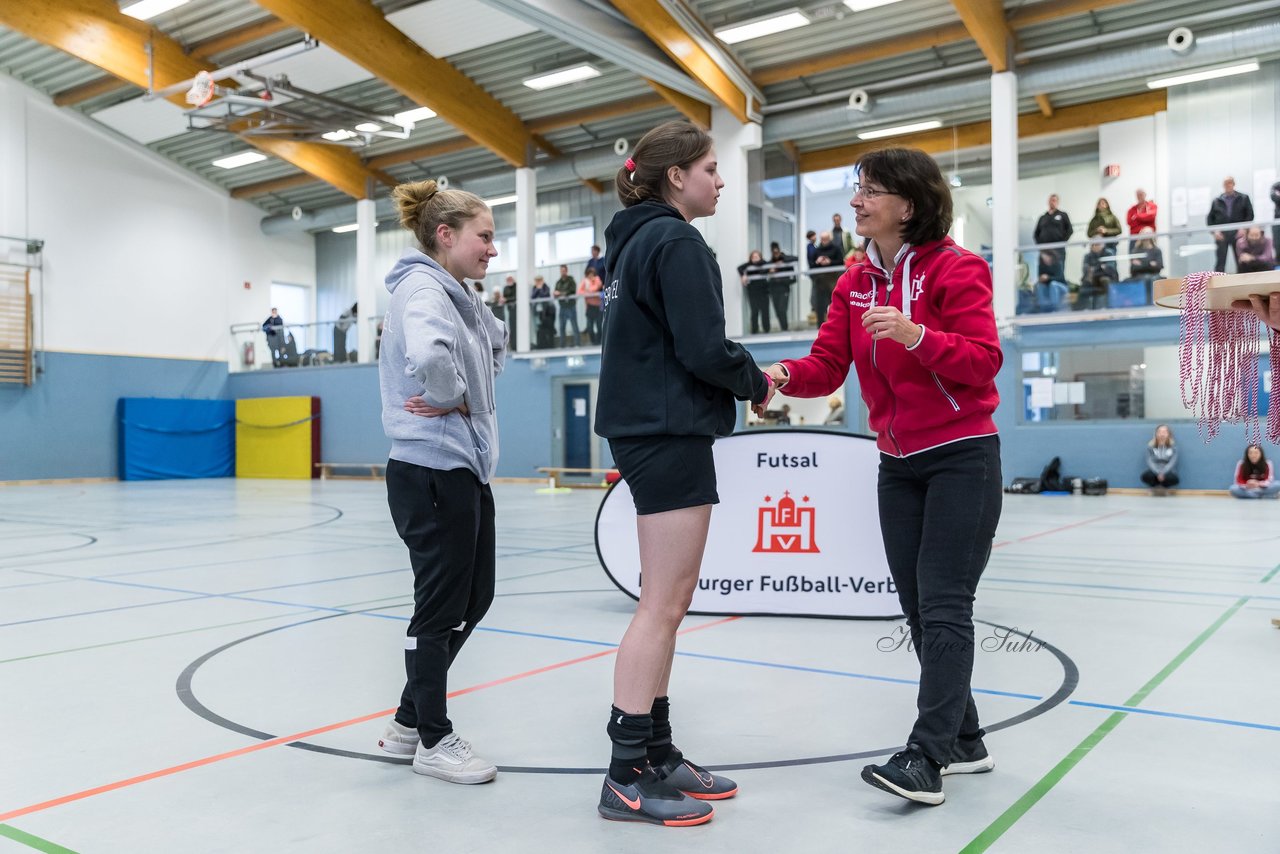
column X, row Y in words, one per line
column 753, row 275
column 782, row 275
column 1254, row 252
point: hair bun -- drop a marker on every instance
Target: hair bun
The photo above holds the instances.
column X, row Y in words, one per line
column 411, row 199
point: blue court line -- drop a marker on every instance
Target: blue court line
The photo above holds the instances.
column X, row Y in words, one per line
column 1153, row 712
column 1129, row 589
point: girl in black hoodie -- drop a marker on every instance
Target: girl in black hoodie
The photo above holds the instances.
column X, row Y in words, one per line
column 668, row 379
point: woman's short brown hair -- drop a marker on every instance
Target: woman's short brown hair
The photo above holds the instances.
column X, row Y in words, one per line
column 914, row 176
column 423, row 207
column 669, row 144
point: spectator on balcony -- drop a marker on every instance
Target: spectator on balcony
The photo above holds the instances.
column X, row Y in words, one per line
column 273, row 326
column 544, row 314
column 782, row 277
column 566, row 290
column 1104, row 222
column 1050, row 291
column 810, row 246
column 841, row 238
column 509, row 301
column 753, row 275
column 1254, row 252
column 1054, row 226
column 827, row 265
column 590, row 288
column 1150, row 260
column 1275, row 200
column 1229, row 208
column 1098, row 273
column 596, row 262
column 1142, row 215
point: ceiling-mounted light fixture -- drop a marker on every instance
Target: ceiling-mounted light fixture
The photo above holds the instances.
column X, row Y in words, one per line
column 501, row 200
column 338, row 135
column 408, row 118
column 368, row 127
column 343, row 229
column 145, row 10
column 244, row 158
column 1205, row 74
column 864, row 5
column 562, row 77
column 900, row 129
column 778, row 23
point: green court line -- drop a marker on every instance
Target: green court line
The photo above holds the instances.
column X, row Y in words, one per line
column 1270, row 575
column 1009, row 817
column 32, row 841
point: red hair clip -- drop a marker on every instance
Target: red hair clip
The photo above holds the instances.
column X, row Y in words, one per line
column 630, row 165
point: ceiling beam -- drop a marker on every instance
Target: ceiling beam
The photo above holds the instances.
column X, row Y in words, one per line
column 238, row 37
column 1042, row 13
column 95, row 31
column 275, row 185
column 88, row 91
column 462, row 143
column 358, row 30
column 938, row 37
column 984, row 19
column 595, row 114
column 1045, row 105
column 692, row 109
column 979, row 133
column 688, row 51
column 200, row 50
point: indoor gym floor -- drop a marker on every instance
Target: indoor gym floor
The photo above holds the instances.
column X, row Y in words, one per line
column 205, row 666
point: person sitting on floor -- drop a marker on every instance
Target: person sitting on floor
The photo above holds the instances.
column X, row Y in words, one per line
column 1162, row 462
column 1255, row 477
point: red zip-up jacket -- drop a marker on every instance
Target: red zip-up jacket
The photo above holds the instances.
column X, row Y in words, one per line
column 939, row 391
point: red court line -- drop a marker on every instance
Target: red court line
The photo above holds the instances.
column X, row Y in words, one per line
column 1060, row 528
column 300, row 736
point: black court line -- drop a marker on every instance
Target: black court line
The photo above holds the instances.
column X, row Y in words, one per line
column 1070, row 680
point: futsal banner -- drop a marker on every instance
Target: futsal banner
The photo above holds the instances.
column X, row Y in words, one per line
column 796, row 532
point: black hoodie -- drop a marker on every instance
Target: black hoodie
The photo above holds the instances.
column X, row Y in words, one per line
column 665, row 366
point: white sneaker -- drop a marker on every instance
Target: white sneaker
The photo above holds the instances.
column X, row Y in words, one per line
column 398, row 739
column 451, row 760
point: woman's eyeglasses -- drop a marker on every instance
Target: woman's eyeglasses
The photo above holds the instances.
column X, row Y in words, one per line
column 871, row 192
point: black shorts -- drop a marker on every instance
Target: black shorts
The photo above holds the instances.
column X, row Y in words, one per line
column 667, row 472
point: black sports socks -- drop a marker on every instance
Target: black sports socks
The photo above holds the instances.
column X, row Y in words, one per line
column 630, row 735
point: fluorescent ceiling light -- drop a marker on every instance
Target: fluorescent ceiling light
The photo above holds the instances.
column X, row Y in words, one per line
column 408, row 118
column 900, row 129
column 339, row 135
column 244, row 158
column 501, row 200
column 1206, row 74
column 779, row 23
column 368, row 127
column 145, row 10
column 563, row 76
column 864, row 5
column 343, row 229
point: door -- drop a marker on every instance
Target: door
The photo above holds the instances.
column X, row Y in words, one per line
column 577, row 425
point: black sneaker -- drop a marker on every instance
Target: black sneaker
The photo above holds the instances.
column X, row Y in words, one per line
column 907, row 774
column 694, row 780
column 969, row 757
column 651, row 800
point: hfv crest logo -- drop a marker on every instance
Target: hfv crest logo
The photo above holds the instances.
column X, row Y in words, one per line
column 786, row 528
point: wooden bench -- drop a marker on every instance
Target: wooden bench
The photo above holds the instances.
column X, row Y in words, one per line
column 554, row 473
column 376, row 471
column 1177, row 490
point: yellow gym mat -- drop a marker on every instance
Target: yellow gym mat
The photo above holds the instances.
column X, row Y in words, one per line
column 278, row 437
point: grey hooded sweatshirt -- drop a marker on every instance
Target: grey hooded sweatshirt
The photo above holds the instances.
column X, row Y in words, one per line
column 441, row 342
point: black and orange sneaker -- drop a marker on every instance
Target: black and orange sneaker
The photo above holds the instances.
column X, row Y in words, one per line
column 694, row 780
column 907, row 774
column 651, row 800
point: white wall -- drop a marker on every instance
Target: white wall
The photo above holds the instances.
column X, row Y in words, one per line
column 140, row 258
column 1132, row 145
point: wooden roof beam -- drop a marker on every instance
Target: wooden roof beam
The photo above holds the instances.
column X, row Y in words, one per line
column 358, row 30
column 653, row 19
column 979, row 133
column 984, row 19
column 691, row 108
column 96, row 32
column 1038, row 14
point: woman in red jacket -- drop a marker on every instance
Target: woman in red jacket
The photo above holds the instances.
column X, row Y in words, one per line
column 915, row 320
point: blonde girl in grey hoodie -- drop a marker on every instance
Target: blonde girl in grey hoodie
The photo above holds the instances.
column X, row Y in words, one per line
column 441, row 349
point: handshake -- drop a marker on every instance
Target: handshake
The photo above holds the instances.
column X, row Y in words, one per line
column 777, row 377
